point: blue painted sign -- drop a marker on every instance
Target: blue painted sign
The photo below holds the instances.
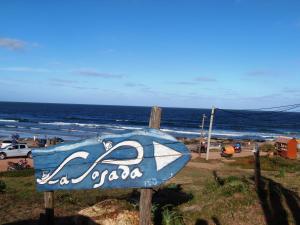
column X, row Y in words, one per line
column 140, row 159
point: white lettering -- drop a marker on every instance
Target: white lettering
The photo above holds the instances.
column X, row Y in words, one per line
column 102, row 179
column 113, row 176
column 64, row 180
column 135, row 173
column 95, row 175
column 125, row 172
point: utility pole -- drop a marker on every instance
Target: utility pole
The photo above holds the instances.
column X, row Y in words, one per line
column 201, row 135
column 202, row 125
column 209, row 131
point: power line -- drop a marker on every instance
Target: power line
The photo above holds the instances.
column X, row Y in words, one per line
column 249, row 115
column 276, row 107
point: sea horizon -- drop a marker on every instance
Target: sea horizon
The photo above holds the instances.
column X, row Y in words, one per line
column 74, row 122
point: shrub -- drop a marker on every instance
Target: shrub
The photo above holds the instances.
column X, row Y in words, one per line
column 2, row 186
column 171, row 217
column 267, row 148
column 227, row 186
column 18, row 173
column 234, row 185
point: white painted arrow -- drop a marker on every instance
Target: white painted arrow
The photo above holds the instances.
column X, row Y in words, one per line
column 164, row 155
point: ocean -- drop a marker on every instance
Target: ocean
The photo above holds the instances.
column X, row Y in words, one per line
column 74, row 122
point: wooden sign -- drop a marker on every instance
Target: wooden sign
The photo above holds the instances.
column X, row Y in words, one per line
column 140, row 159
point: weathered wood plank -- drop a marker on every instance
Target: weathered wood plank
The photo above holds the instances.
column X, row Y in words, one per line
column 49, row 207
column 146, row 193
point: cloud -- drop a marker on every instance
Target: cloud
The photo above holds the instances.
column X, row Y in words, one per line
column 63, row 81
column 12, row 44
column 94, row 73
column 205, row 79
column 186, row 83
column 69, row 84
column 197, row 81
column 288, row 90
column 24, row 69
column 260, row 73
column 131, row 84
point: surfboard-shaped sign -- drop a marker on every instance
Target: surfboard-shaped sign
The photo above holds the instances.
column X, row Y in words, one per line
column 140, row 159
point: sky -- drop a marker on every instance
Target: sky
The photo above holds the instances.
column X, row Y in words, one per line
column 238, row 54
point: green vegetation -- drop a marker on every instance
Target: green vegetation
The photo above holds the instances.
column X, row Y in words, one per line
column 275, row 163
column 227, row 186
column 18, row 173
column 2, row 186
column 267, row 147
column 195, row 196
column 171, row 217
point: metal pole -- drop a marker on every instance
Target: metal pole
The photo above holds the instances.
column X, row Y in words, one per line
column 201, row 134
column 209, row 131
column 202, row 125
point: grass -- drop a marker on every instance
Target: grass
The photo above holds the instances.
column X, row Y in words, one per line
column 267, row 147
column 275, row 163
column 18, row 173
column 195, row 196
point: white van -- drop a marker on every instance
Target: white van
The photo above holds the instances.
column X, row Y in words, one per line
column 17, row 150
column 5, row 143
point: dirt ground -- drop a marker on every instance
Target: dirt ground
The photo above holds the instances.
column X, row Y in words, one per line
column 4, row 163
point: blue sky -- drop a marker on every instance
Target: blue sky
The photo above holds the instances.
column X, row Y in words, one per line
column 228, row 53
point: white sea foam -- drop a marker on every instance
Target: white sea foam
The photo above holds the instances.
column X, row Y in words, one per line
column 180, row 131
column 91, row 125
column 34, row 128
column 224, row 133
column 127, row 127
column 10, row 126
column 9, row 121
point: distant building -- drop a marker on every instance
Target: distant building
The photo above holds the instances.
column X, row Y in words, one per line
column 286, row 147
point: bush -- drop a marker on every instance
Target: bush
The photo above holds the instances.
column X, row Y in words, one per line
column 2, row 186
column 227, row 186
column 234, row 185
column 171, row 217
column 276, row 163
column 18, row 173
column 267, row 148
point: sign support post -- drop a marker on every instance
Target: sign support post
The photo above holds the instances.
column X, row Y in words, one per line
column 49, row 207
column 209, row 132
column 146, row 193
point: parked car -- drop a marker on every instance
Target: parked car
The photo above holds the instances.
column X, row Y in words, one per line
column 5, row 143
column 17, row 150
column 237, row 147
column 227, row 151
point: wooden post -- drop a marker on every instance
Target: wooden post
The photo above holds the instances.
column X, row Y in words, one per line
column 49, row 202
column 256, row 167
column 49, row 207
column 209, row 131
column 146, row 193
